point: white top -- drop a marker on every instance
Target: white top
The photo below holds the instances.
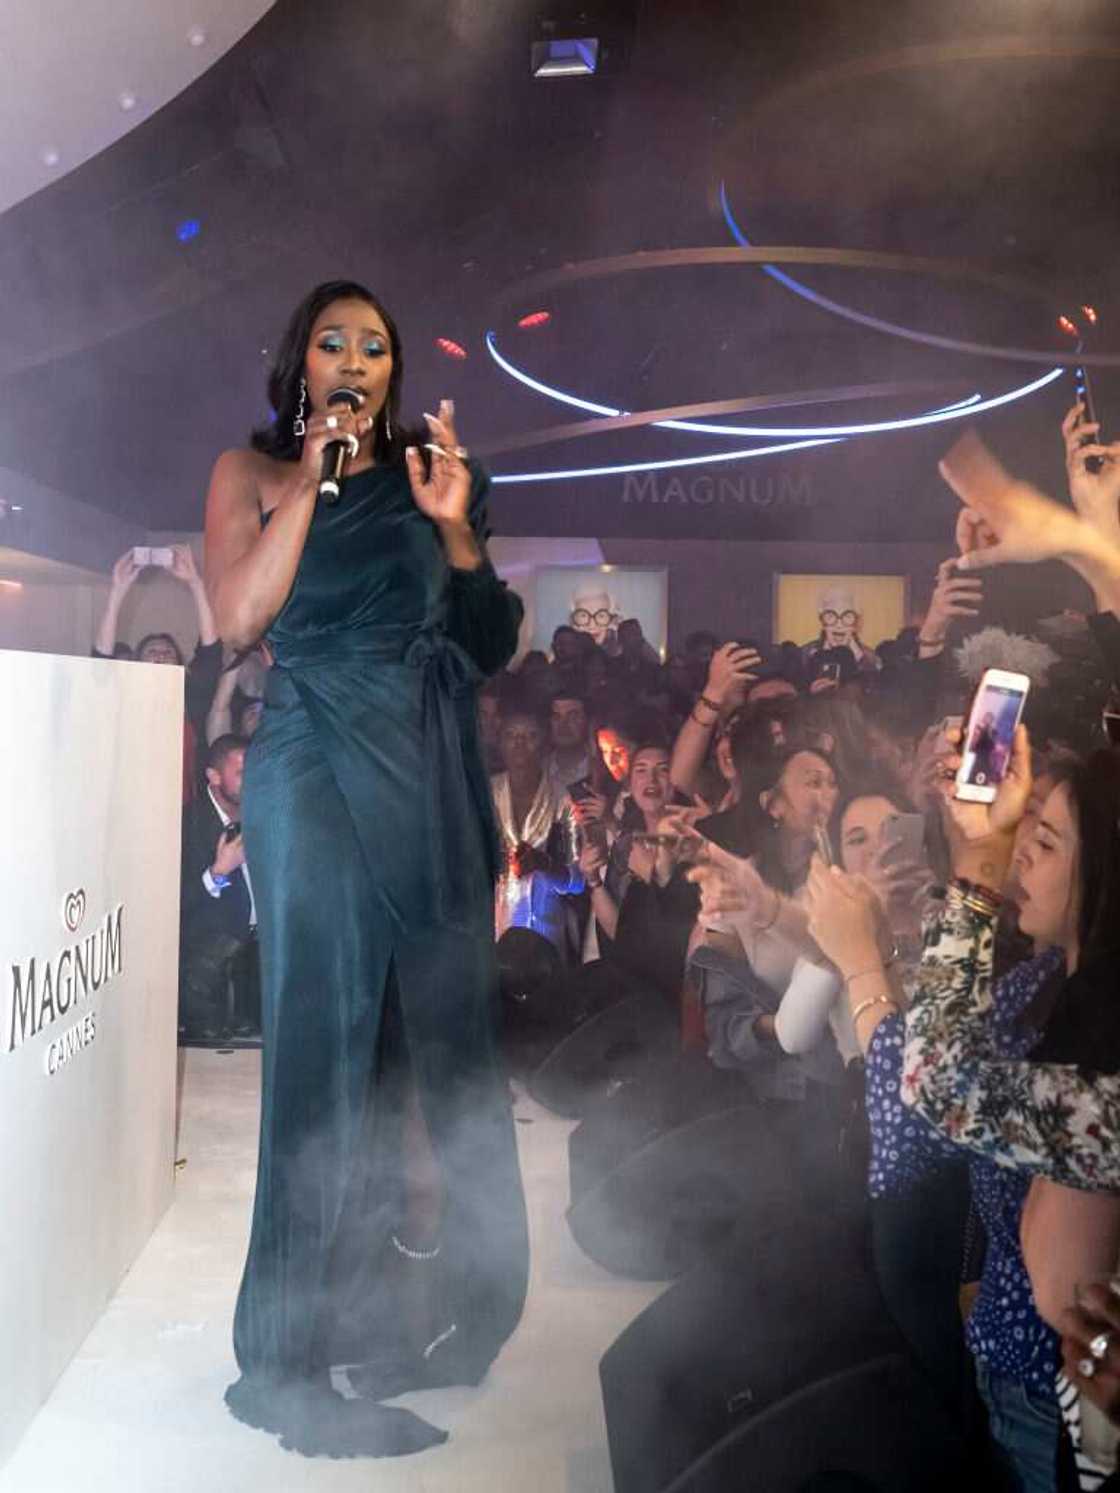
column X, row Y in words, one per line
column 814, row 1002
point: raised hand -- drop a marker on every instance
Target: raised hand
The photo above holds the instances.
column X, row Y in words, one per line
column 953, row 596
column 590, row 810
column 728, row 883
column 125, row 572
column 1095, row 495
column 445, row 496
column 730, row 672
column 973, row 532
column 968, row 822
column 183, row 567
column 845, row 917
column 1028, row 526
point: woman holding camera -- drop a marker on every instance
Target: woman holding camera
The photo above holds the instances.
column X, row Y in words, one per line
column 389, row 1228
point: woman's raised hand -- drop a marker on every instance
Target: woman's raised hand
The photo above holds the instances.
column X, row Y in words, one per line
column 730, row 673
column 968, row 823
column 446, row 494
column 1026, row 525
column 845, row 917
column 125, row 572
column 1095, row 495
column 953, row 596
column 728, row 883
column 336, row 424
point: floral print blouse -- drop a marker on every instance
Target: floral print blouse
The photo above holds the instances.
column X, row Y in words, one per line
column 1004, row 1330
column 1050, row 1119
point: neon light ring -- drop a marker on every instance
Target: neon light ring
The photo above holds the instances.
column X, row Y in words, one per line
column 814, row 435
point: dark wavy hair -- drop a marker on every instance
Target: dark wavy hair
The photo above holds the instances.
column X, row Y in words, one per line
column 1084, row 1027
column 757, row 828
column 279, row 440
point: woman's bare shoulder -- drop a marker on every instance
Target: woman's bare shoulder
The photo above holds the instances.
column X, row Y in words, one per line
column 244, row 477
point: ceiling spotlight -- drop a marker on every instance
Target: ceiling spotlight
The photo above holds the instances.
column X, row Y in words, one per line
column 51, row 156
column 534, row 319
column 196, row 36
column 581, row 38
column 127, row 101
column 451, row 349
column 565, row 57
column 189, row 228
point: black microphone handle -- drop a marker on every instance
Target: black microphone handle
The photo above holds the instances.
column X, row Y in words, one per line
column 335, row 456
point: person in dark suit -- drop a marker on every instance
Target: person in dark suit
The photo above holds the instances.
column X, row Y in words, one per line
column 217, row 938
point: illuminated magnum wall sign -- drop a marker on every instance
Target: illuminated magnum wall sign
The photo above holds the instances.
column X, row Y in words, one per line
column 44, row 989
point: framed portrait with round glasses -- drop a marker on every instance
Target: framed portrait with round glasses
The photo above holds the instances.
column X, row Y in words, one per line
column 596, row 599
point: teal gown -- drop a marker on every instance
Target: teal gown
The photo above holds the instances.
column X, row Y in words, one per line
column 370, row 833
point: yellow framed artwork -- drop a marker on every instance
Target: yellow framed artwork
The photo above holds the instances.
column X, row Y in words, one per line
column 880, row 600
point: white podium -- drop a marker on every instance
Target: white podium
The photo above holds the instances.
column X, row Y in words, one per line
column 90, row 794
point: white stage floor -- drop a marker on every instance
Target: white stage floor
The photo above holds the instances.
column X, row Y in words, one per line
column 140, row 1407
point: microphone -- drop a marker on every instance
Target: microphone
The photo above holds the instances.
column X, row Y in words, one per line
column 337, row 453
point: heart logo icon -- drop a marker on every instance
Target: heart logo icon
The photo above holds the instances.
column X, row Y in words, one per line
column 74, row 910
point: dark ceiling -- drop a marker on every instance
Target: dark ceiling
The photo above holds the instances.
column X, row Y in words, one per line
column 408, row 146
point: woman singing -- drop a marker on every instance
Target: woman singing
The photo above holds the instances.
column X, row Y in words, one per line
column 389, row 1232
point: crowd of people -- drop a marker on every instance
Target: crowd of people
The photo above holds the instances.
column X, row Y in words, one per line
column 766, row 838
column 769, row 839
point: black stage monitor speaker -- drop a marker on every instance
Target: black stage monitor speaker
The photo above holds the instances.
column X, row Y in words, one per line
column 740, row 1173
column 608, row 1049
column 665, row 1095
column 767, row 1371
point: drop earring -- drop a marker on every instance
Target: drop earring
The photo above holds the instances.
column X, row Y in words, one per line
column 299, row 425
column 388, row 427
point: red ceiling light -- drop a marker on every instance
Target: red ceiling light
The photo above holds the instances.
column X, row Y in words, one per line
column 1090, row 315
column 535, row 319
column 1067, row 326
column 451, row 349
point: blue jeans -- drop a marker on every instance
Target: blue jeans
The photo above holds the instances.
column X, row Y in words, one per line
column 1025, row 1426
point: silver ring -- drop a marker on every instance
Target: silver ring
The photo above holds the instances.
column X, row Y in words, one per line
column 1087, row 1367
column 332, row 422
column 459, row 452
column 1099, row 1346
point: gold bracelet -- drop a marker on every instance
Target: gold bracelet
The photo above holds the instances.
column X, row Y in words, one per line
column 980, row 900
column 872, row 969
column 876, row 1000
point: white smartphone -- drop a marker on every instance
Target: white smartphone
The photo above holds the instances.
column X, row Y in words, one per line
column 986, row 748
column 163, row 557
column 141, row 554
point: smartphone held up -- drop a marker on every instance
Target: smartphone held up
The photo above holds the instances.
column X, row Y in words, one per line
column 989, row 733
column 158, row 555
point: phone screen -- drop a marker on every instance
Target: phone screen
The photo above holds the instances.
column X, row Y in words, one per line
column 986, row 749
column 823, row 844
column 1084, row 391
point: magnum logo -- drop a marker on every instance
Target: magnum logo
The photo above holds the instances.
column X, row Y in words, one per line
column 44, row 990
